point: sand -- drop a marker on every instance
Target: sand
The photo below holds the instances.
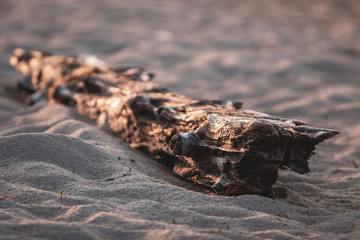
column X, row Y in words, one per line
column 297, row 59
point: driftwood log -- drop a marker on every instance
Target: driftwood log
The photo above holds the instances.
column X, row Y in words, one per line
column 208, row 142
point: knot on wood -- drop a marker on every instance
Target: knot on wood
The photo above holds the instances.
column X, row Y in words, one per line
column 182, row 143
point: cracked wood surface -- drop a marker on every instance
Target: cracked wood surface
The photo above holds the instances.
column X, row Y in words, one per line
column 209, row 142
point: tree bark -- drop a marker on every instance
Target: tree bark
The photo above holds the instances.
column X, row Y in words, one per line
column 209, row 142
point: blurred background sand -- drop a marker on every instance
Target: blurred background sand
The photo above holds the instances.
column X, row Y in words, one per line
column 252, row 51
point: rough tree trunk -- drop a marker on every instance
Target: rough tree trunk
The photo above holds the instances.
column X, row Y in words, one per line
column 209, row 142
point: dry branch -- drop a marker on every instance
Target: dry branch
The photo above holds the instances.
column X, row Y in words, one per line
column 209, row 142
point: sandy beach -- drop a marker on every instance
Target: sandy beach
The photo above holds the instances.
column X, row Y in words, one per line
column 295, row 59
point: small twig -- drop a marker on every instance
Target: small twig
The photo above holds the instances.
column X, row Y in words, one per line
column 10, row 197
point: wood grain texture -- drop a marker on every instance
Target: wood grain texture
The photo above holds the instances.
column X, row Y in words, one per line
column 209, row 142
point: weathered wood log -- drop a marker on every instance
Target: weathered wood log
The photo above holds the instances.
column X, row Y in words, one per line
column 209, row 142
